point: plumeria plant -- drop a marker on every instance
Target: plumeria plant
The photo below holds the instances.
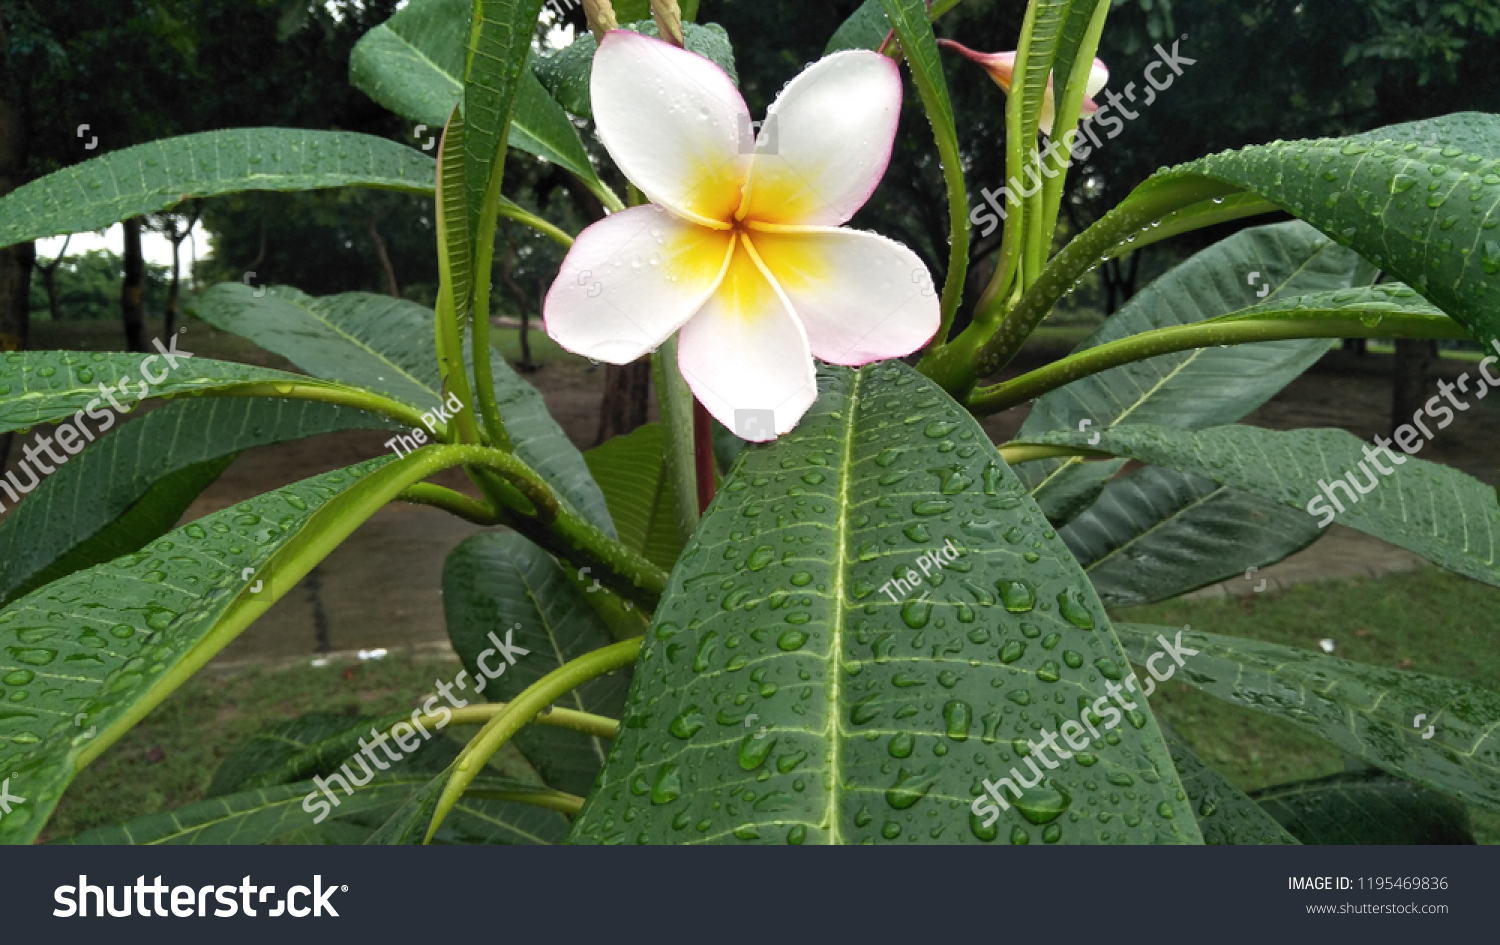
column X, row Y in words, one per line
column 765, row 663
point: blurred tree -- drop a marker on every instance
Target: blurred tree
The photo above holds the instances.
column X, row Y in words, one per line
column 175, row 228
column 88, row 287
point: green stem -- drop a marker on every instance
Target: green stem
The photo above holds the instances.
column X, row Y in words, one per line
column 1234, row 330
column 560, row 801
column 674, row 402
column 484, row 374
column 333, row 394
column 512, row 212
column 1196, row 217
column 1034, row 256
column 609, row 198
column 1014, row 453
column 1012, row 243
column 572, row 719
column 939, row 108
column 568, row 535
column 466, row 508
column 532, row 700
column 1069, row 110
column 1082, row 254
column 484, row 262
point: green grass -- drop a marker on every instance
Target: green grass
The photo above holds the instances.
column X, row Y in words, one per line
column 1427, row 621
column 169, row 759
column 543, row 349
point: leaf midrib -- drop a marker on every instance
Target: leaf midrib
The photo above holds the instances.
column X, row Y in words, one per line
column 836, row 641
column 361, row 345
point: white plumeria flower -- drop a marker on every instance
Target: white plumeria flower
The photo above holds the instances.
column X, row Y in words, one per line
column 741, row 246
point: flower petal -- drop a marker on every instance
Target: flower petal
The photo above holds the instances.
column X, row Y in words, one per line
column 859, row 296
column 826, row 142
column 1000, row 66
column 674, row 123
column 631, row 280
column 1098, row 79
column 745, row 352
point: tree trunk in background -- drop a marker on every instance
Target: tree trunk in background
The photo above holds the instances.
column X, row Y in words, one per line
column 174, row 292
column 508, row 276
column 169, row 319
column 1414, row 358
column 1360, row 346
column 133, row 288
column 49, row 281
column 15, row 261
column 627, row 393
column 1118, row 276
column 392, row 287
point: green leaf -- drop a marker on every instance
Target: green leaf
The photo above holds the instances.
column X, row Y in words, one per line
column 867, row 28
column 566, row 72
column 455, row 249
column 251, row 817
column 130, row 488
column 474, row 819
column 1047, row 17
column 86, row 657
column 281, row 753
column 1225, row 816
column 499, row 45
column 413, row 64
column 499, row 583
column 641, row 496
column 1157, row 533
column 1423, row 213
column 783, row 697
column 1366, row 808
column 269, row 814
column 99, row 192
column 357, row 338
column 1435, row 511
column 47, row 386
column 1471, row 132
column 1198, row 388
column 408, row 825
column 321, row 744
column 1070, row 38
column 1368, row 712
column 910, row 20
column 1393, row 307
column 151, row 515
column 386, row 344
